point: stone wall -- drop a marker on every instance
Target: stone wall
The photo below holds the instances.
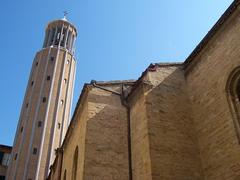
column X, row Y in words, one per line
column 75, row 137
column 106, row 147
column 141, row 162
column 207, row 78
column 164, row 145
column 3, row 170
column 173, row 144
column 99, row 130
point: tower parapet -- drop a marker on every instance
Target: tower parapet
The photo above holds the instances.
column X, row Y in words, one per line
column 60, row 33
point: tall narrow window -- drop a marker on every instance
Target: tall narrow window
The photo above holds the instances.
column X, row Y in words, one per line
column 63, row 37
column 52, row 36
column 1, row 157
column 44, row 99
column 65, row 175
column 15, row 157
column 59, row 125
column 52, row 59
column 68, row 40
column 233, row 93
column 39, row 123
column 58, row 36
column 6, row 159
column 75, row 163
column 34, row 150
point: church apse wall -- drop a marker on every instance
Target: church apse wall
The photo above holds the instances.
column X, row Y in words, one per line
column 164, row 145
column 173, row 145
column 207, row 77
column 75, row 139
column 106, row 148
column 177, row 121
column 141, row 161
column 98, row 132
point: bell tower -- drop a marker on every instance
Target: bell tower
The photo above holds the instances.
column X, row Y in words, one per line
column 45, row 113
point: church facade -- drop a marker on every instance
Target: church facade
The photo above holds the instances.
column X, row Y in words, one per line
column 178, row 121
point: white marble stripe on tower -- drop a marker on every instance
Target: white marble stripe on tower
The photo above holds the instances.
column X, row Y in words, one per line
column 73, row 37
column 70, row 41
column 54, row 123
column 73, row 85
column 56, row 114
column 73, row 44
column 46, row 116
column 66, row 102
column 52, row 130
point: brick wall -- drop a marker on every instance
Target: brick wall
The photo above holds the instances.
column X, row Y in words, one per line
column 164, row 145
column 141, row 162
column 106, row 152
column 207, row 78
column 76, row 138
column 3, row 170
column 173, row 145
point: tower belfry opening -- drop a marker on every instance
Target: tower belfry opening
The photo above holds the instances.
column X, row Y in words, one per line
column 62, row 34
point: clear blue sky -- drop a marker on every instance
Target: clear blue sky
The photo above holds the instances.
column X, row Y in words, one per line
column 117, row 39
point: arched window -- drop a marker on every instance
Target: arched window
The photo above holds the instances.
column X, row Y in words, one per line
column 75, row 163
column 233, row 93
column 65, row 175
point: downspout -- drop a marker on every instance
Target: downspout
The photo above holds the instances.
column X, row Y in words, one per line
column 126, row 105
column 94, row 83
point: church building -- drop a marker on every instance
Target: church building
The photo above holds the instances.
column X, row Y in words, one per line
column 178, row 121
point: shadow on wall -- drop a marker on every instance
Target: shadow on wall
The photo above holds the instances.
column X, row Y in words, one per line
column 173, row 145
column 106, row 152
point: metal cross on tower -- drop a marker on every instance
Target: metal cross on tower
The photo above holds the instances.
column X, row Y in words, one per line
column 65, row 13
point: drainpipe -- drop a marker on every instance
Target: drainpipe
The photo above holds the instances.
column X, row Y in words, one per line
column 126, row 105
column 94, row 83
